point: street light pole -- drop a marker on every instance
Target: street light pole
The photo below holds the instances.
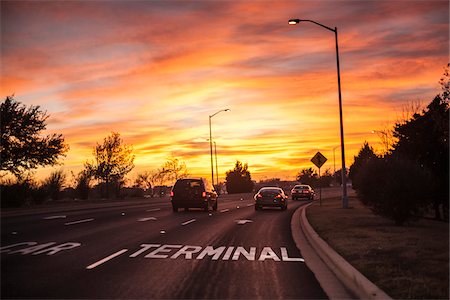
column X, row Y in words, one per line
column 217, row 168
column 343, row 174
column 210, row 143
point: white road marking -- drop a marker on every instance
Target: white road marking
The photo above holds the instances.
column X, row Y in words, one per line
column 162, row 231
column 243, row 222
column 153, row 209
column 54, row 217
column 224, row 210
column 77, row 222
column 106, row 259
column 188, row 222
column 146, row 219
column 250, row 204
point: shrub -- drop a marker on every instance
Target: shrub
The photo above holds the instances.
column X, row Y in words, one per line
column 395, row 188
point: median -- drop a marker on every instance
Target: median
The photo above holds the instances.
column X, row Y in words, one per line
column 407, row 262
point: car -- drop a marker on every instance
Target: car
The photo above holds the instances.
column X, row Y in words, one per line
column 193, row 193
column 302, row 191
column 272, row 197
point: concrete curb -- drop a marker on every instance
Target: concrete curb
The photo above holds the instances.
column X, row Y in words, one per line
column 353, row 280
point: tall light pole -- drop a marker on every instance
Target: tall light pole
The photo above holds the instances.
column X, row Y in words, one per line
column 344, row 179
column 210, row 143
column 217, row 168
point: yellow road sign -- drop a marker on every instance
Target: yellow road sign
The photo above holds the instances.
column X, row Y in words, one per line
column 319, row 159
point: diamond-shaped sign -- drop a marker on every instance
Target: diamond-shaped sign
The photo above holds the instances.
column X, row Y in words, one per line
column 319, row 159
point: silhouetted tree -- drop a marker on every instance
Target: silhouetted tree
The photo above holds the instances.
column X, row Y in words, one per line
column 113, row 160
column 174, row 169
column 22, row 146
column 424, row 139
column 308, row 176
column 365, row 155
column 239, row 179
column 394, row 188
column 54, row 184
column 83, row 183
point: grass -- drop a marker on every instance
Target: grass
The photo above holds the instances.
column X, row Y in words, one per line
column 407, row 262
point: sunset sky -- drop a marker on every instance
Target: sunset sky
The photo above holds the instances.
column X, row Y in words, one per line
column 155, row 70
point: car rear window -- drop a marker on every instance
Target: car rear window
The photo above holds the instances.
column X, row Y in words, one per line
column 269, row 192
column 187, row 184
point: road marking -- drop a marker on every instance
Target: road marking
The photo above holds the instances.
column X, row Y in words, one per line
column 225, row 210
column 146, row 219
column 162, row 232
column 153, row 209
column 188, row 222
column 250, row 204
column 77, row 222
column 54, row 217
column 102, row 261
column 243, row 222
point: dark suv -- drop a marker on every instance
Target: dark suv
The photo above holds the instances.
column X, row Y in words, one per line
column 193, row 193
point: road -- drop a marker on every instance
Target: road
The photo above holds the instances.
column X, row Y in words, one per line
column 147, row 251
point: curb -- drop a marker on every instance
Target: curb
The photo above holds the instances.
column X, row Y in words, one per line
column 353, row 280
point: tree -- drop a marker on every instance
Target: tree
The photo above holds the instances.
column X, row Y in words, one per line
column 394, row 187
column 239, row 179
column 424, row 139
column 365, row 155
column 22, row 146
column 113, row 160
column 54, row 184
column 83, row 183
column 174, row 169
column 308, row 176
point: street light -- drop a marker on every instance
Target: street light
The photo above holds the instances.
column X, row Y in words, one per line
column 210, row 143
column 344, row 180
column 217, row 168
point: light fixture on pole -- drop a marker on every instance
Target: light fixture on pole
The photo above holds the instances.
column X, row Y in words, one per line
column 210, row 143
column 344, row 170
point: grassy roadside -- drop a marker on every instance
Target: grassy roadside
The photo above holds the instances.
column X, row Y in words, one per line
column 409, row 262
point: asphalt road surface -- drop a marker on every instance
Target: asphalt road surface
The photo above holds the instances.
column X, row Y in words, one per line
column 147, row 251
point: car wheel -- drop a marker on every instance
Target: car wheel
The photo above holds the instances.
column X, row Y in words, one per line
column 215, row 206
column 257, row 207
column 174, row 208
column 284, row 207
column 206, row 208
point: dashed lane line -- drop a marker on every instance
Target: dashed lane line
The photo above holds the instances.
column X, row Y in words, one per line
column 250, row 204
column 102, row 261
column 146, row 219
column 153, row 209
column 78, row 222
column 225, row 210
column 188, row 222
column 54, row 217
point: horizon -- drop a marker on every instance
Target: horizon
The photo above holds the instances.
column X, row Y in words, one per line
column 155, row 71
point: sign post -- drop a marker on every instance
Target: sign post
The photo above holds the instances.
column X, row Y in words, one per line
column 319, row 160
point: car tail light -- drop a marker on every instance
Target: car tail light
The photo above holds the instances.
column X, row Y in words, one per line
column 204, row 194
column 278, row 196
column 171, row 193
column 259, row 196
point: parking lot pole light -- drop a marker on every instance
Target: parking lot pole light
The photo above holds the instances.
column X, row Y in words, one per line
column 343, row 172
column 210, row 143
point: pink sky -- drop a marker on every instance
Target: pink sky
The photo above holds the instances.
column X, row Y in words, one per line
column 155, row 70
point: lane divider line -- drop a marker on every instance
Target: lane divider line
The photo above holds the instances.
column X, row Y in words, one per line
column 250, row 204
column 146, row 219
column 102, row 261
column 188, row 222
column 153, row 209
column 225, row 210
column 55, row 217
column 78, row 222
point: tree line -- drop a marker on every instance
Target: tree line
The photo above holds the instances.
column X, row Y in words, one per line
column 24, row 148
column 412, row 176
